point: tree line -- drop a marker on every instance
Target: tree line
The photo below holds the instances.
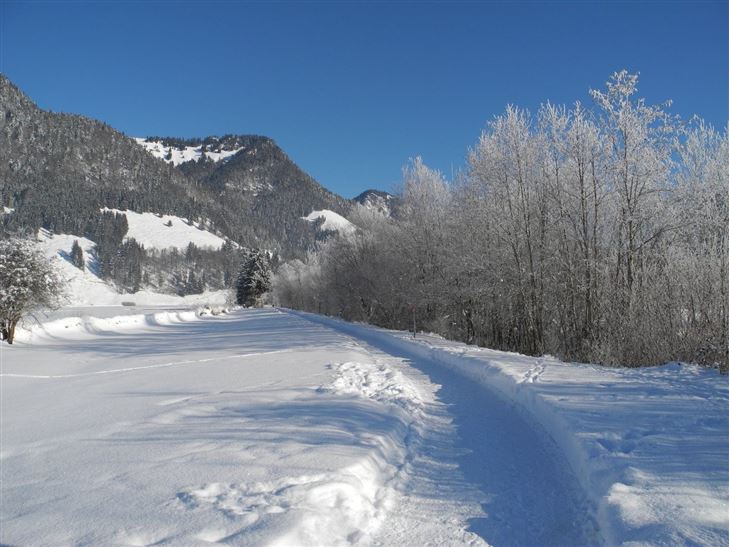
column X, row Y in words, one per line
column 595, row 234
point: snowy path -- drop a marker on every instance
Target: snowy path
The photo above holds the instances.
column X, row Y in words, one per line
column 650, row 447
column 528, row 495
column 266, row 427
column 254, row 428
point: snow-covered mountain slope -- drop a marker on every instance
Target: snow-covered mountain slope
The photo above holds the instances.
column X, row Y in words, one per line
column 81, row 286
column 377, row 201
column 155, row 231
column 177, row 155
column 86, row 288
column 332, row 221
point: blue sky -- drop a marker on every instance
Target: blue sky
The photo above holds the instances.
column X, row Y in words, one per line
column 352, row 90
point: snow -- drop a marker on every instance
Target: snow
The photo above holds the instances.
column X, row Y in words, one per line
column 86, row 288
column 375, row 201
column 272, row 427
column 650, row 446
column 151, row 231
column 182, row 155
column 332, row 221
column 8, row 210
column 82, row 287
column 242, row 429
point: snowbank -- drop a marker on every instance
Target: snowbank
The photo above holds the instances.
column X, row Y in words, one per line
column 649, row 446
column 344, row 503
column 82, row 325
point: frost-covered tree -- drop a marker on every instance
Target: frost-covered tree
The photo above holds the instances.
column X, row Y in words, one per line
column 77, row 255
column 254, row 280
column 641, row 142
column 699, row 255
column 595, row 234
column 28, row 282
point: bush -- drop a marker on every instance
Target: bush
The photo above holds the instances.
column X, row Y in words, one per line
column 27, row 282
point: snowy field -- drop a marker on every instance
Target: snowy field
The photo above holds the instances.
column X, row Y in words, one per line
column 86, row 293
column 269, row 427
column 161, row 232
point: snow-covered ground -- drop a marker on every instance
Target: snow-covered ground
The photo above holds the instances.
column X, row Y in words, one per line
column 177, row 156
column 268, row 427
column 84, row 288
column 332, row 221
column 650, row 447
column 166, row 231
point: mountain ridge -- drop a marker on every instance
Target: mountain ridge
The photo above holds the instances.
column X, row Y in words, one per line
column 59, row 170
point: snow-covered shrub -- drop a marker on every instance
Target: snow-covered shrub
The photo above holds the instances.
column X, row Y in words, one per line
column 254, row 280
column 28, row 282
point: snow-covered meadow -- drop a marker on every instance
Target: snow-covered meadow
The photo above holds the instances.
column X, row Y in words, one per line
column 157, row 231
column 87, row 294
column 270, row 427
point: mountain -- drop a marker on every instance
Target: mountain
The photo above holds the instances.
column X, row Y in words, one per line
column 77, row 176
column 377, row 200
column 256, row 176
column 58, row 170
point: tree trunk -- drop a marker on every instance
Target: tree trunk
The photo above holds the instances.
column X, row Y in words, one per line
column 8, row 331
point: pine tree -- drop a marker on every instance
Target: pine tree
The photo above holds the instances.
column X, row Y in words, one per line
column 77, row 255
column 254, row 279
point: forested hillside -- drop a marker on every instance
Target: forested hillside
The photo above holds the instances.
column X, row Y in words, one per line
column 60, row 171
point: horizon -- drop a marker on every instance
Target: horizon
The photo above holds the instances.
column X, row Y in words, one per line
column 352, row 91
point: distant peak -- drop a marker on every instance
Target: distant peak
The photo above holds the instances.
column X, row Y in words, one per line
column 372, row 192
column 376, row 200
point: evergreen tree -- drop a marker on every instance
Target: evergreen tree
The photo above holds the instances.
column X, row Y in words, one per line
column 77, row 255
column 254, row 279
column 127, row 266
